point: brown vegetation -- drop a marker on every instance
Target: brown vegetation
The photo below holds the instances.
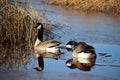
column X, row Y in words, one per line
column 110, row 6
column 17, row 35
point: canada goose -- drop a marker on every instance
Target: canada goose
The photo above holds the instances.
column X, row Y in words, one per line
column 43, row 48
column 81, row 49
column 84, row 64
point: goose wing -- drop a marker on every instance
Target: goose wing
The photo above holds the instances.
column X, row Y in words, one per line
column 50, row 43
column 80, row 47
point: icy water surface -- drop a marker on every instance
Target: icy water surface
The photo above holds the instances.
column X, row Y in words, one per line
column 77, row 25
column 106, row 65
column 100, row 30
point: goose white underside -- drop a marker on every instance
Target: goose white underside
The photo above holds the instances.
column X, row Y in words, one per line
column 52, row 50
column 84, row 60
column 85, row 55
column 55, row 49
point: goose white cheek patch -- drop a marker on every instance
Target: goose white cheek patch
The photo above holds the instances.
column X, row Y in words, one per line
column 39, row 27
column 68, row 64
column 68, row 46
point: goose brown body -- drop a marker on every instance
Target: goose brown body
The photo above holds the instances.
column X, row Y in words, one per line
column 49, row 48
column 82, row 50
column 42, row 47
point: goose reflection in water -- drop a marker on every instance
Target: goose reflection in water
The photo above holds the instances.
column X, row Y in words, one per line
column 84, row 64
column 45, row 55
column 84, row 55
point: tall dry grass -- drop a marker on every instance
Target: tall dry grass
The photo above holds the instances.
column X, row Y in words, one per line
column 17, row 23
column 110, row 6
column 17, row 35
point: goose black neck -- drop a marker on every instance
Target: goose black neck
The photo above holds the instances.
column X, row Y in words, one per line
column 40, row 35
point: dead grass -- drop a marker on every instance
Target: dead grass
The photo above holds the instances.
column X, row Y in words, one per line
column 109, row 6
column 17, row 23
column 17, row 35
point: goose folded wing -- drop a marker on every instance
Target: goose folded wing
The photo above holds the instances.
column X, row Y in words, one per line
column 50, row 43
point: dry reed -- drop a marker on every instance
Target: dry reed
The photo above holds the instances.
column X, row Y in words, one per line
column 109, row 6
column 17, row 35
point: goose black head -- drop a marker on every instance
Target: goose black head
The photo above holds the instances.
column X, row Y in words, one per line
column 39, row 26
column 71, row 45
